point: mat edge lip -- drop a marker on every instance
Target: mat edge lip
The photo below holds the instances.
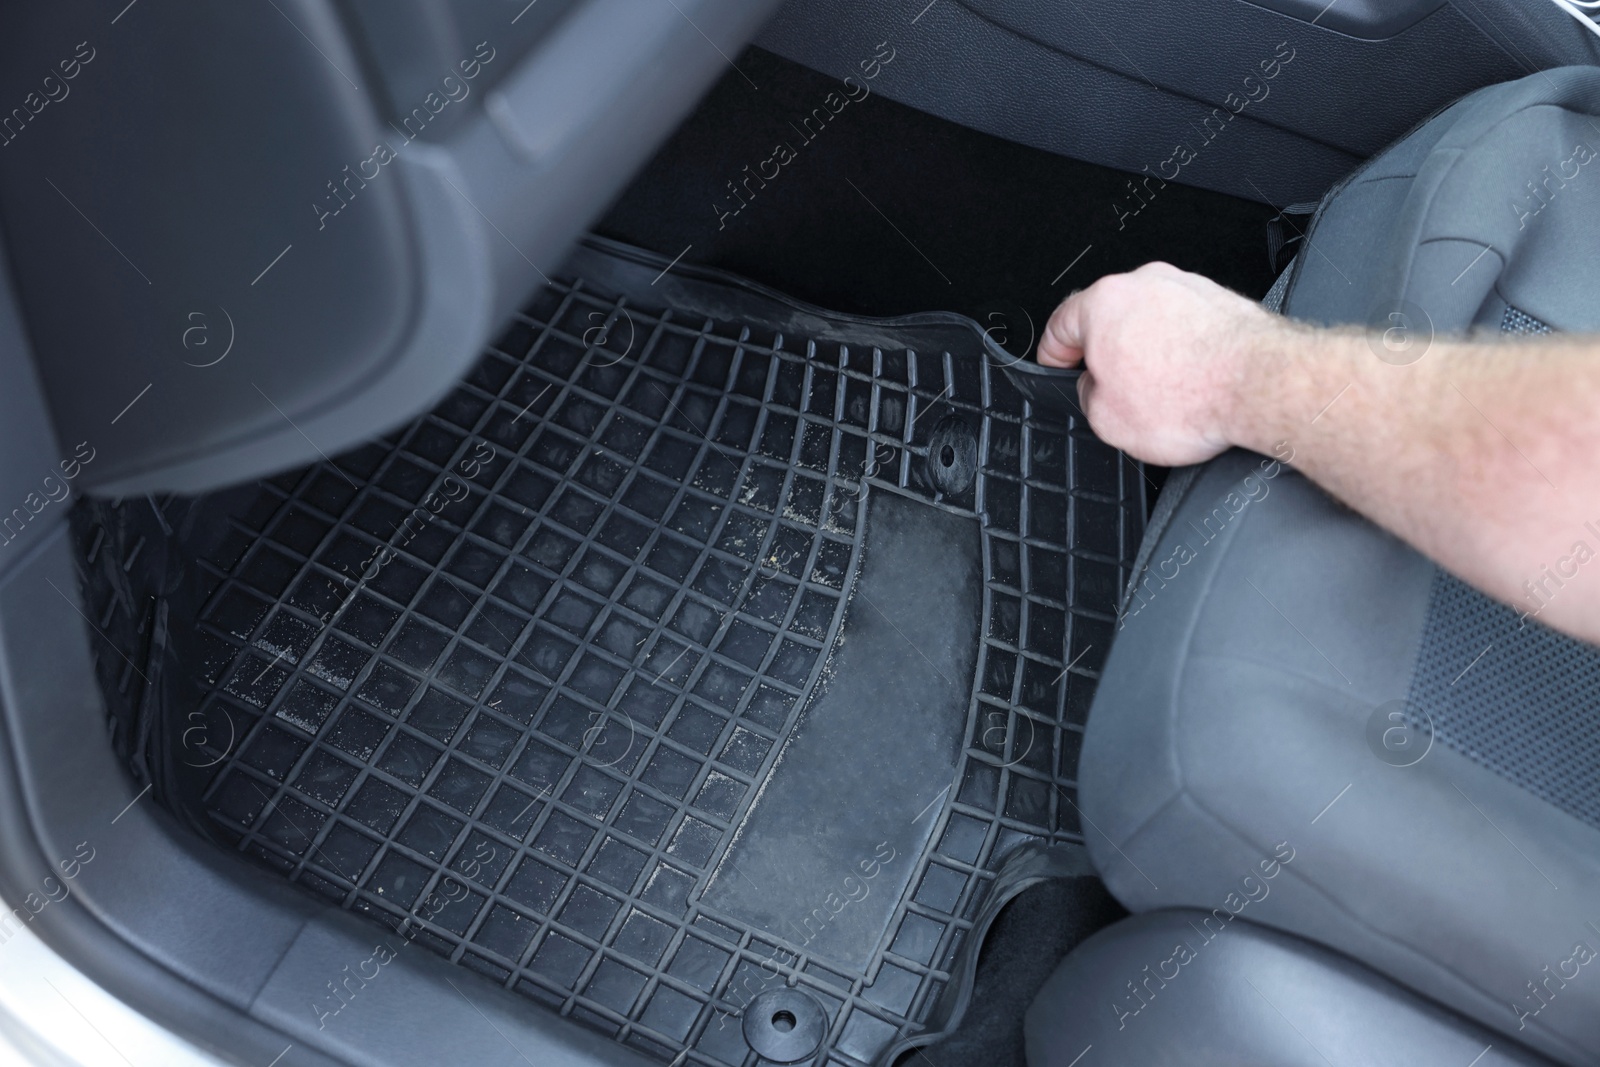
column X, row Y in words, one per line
column 1028, row 865
column 716, row 276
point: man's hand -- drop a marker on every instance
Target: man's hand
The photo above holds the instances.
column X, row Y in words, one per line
column 1165, row 356
column 1477, row 452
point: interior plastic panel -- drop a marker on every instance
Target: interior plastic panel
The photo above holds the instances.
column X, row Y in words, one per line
column 34, row 487
column 412, row 46
column 139, row 211
column 237, row 250
column 1203, row 95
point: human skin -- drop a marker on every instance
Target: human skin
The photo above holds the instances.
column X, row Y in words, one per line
column 1482, row 453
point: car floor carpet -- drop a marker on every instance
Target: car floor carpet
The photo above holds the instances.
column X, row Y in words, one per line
column 1029, row 938
column 887, row 210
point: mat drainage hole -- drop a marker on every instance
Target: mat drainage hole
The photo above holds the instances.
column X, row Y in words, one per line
column 947, row 456
column 783, row 1021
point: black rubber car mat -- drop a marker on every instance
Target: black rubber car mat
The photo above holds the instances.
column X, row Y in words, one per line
column 699, row 645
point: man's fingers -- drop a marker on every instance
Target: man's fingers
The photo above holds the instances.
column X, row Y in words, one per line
column 1062, row 342
column 1086, row 385
column 1101, row 415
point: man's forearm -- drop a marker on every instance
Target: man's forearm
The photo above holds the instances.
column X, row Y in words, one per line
column 1482, row 454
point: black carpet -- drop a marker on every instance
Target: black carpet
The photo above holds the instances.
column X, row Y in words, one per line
column 885, row 210
column 1028, row 939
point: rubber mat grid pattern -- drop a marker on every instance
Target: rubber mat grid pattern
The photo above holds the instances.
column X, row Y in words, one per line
column 510, row 677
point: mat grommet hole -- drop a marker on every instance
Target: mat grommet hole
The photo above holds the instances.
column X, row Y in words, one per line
column 952, row 458
column 785, row 1025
